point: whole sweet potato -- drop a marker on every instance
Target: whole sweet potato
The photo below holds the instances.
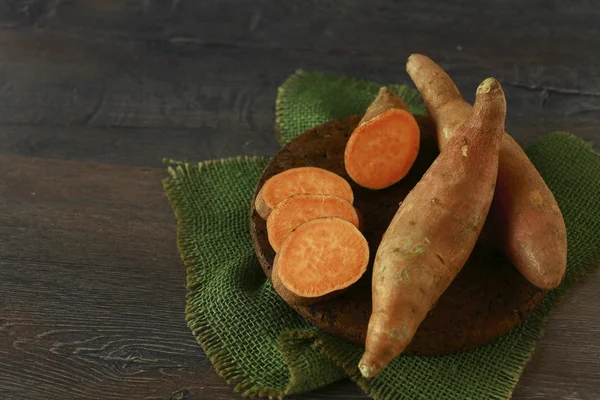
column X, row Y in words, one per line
column 434, row 231
column 525, row 221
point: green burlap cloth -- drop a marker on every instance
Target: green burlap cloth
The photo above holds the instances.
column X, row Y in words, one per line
column 259, row 344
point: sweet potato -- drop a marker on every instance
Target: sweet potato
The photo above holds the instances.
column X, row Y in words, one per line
column 298, row 209
column 525, row 221
column 434, row 231
column 300, row 180
column 318, row 260
column 384, row 145
column 384, row 101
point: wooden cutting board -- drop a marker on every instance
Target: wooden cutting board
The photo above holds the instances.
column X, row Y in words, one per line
column 486, row 300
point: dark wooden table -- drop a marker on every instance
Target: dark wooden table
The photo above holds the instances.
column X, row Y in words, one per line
column 94, row 93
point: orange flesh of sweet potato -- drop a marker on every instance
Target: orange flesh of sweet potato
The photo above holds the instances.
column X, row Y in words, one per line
column 525, row 221
column 298, row 209
column 382, row 150
column 321, row 256
column 434, row 231
column 300, row 180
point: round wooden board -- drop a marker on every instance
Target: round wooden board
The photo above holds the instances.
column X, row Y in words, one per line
column 486, row 300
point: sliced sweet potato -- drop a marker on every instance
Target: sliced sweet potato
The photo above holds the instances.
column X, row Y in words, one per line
column 319, row 260
column 298, row 209
column 300, row 180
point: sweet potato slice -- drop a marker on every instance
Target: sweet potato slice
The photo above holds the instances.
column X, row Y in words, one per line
column 319, row 260
column 300, row 180
column 382, row 150
column 298, row 209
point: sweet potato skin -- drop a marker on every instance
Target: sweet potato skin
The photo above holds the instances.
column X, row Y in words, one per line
column 433, row 233
column 385, row 100
column 525, row 221
column 535, row 237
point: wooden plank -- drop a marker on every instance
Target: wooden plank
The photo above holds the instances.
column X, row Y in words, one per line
column 545, row 32
column 71, row 235
column 285, row 24
column 55, row 90
column 58, row 80
column 141, row 147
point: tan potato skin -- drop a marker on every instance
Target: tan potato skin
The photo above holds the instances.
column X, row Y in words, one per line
column 525, row 221
column 434, row 231
column 385, row 100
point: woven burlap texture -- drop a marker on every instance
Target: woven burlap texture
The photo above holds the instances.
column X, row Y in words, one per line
column 260, row 345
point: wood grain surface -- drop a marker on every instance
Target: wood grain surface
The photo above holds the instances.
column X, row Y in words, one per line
column 94, row 93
